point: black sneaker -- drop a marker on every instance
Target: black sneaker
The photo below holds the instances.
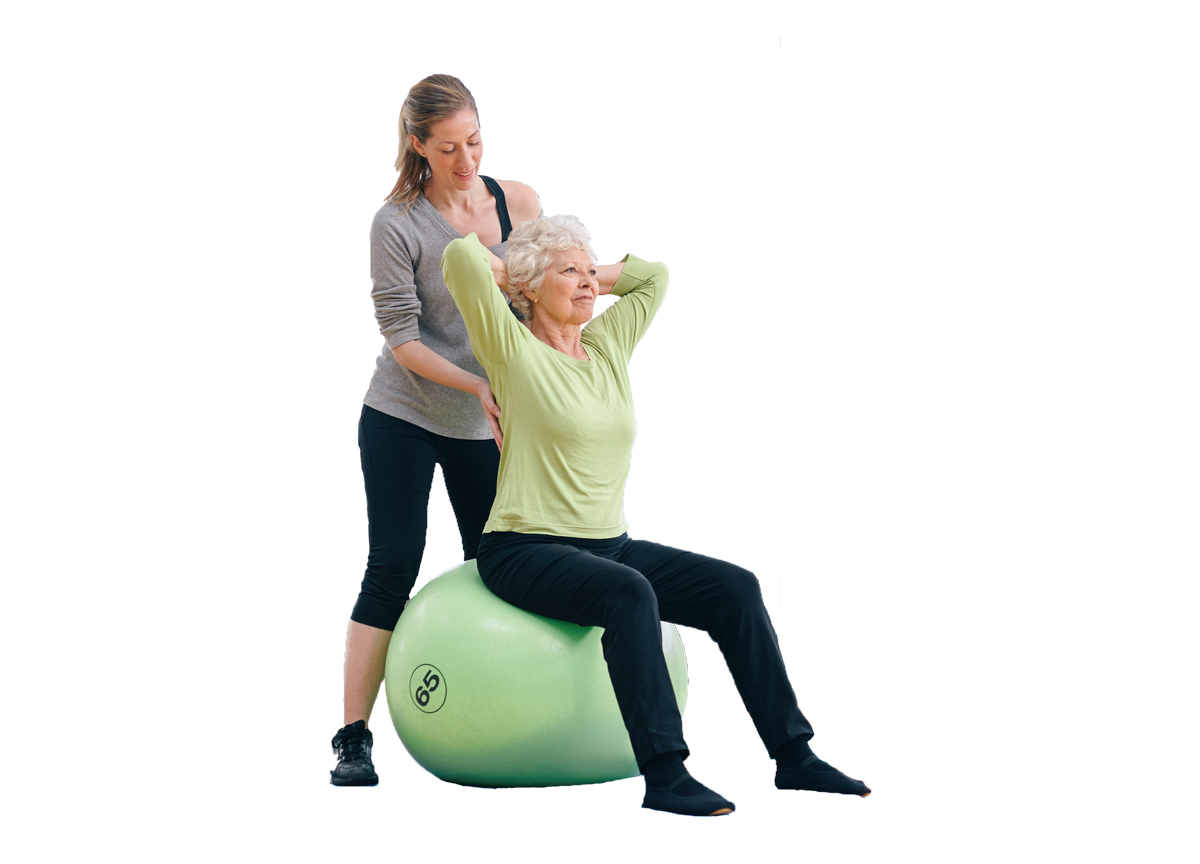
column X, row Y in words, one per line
column 352, row 744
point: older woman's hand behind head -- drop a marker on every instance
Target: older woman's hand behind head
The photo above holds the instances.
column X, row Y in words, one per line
column 499, row 272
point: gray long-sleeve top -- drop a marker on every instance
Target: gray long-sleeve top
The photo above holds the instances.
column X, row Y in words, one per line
column 411, row 302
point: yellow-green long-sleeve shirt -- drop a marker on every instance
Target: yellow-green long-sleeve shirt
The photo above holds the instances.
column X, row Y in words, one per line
column 568, row 424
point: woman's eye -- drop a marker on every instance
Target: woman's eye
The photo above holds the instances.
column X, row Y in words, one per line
column 593, row 272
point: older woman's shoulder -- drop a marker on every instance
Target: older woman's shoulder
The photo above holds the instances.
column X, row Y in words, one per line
column 523, row 203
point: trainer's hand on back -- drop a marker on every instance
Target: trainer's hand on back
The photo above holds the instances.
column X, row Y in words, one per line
column 491, row 410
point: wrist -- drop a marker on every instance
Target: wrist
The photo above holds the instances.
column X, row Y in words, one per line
column 608, row 274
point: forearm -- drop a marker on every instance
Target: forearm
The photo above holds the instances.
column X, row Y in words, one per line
column 608, row 274
column 641, row 286
column 416, row 357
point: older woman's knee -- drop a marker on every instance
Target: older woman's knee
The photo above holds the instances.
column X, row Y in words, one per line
column 740, row 587
column 634, row 592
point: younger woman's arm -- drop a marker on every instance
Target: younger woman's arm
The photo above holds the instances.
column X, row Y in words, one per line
column 416, row 357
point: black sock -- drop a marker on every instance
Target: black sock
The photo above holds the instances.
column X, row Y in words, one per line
column 799, row 768
column 794, row 752
column 661, row 771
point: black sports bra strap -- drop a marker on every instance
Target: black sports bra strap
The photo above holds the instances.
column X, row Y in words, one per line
column 501, row 206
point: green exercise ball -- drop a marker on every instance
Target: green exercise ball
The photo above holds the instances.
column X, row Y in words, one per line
column 485, row 694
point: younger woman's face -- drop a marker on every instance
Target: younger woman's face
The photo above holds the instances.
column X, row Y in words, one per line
column 454, row 149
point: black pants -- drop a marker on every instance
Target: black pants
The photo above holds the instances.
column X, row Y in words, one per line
column 397, row 464
column 628, row 587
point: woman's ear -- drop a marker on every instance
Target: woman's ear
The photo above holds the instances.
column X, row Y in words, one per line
column 416, row 145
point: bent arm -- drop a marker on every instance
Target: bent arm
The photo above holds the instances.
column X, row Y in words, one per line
column 393, row 283
column 427, row 363
column 496, row 336
column 397, row 309
column 416, row 357
column 641, row 285
column 608, row 275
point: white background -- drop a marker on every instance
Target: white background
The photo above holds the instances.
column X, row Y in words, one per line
column 928, row 367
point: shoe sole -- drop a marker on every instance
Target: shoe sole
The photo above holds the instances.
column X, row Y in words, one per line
column 724, row 811
column 790, row 789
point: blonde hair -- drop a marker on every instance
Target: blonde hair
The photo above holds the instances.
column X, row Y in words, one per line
column 531, row 247
column 431, row 99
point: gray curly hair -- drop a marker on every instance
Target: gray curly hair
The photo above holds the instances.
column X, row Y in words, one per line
column 530, row 249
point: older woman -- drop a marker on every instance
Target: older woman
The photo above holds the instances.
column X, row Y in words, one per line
column 556, row 542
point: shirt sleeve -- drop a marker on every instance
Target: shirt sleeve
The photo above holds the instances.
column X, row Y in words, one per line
column 393, row 285
column 641, row 286
column 496, row 335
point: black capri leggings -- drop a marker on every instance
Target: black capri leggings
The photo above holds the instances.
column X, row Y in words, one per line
column 397, row 464
column 627, row 586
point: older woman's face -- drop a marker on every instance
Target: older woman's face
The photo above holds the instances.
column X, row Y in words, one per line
column 569, row 288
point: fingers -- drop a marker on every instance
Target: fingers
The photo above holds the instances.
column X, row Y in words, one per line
column 496, row 433
column 488, row 400
column 492, row 411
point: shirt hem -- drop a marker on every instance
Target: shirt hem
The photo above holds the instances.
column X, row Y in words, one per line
column 555, row 530
column 416, row 418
